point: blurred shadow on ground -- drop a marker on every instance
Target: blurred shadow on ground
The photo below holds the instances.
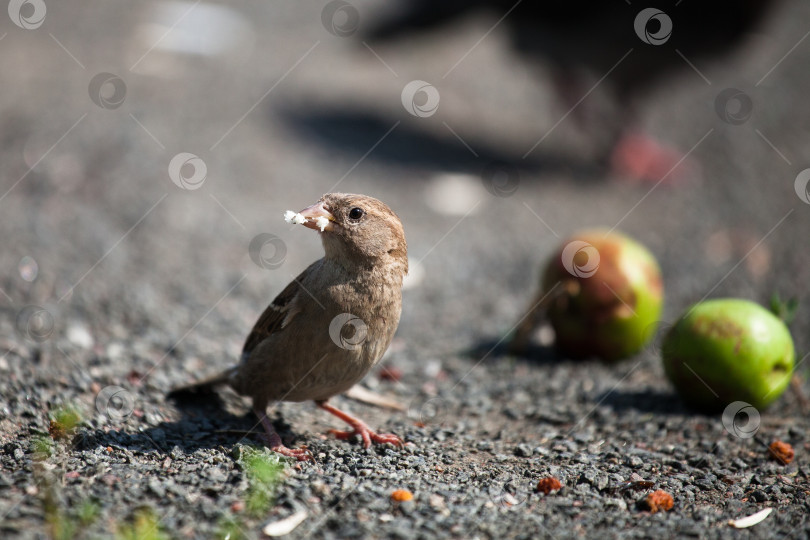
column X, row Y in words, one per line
column 205, row 424
column 496, row 349
column 648, row 401
column 354, row 132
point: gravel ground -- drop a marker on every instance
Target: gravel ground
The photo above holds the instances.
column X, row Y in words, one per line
column 150, row 285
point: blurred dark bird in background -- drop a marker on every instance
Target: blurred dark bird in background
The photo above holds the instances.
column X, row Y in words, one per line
column 628, row 48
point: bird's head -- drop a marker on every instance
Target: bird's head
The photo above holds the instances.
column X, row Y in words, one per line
column 357, row 229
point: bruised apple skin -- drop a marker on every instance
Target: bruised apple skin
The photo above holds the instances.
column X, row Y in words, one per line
column 605, row 295
column 740, row 350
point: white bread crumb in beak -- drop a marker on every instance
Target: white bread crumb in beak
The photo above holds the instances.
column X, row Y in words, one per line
column 322, row 222
column 294, row 218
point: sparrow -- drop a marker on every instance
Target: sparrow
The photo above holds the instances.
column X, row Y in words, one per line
column 332, row 323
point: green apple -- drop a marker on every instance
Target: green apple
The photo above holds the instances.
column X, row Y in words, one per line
column 605, row 295
column 727, row 350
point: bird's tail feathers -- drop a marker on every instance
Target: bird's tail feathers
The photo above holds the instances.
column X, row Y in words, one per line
column 205, row 386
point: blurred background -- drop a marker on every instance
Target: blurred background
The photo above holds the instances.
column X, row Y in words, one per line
column 280, row 103
column 146, row 145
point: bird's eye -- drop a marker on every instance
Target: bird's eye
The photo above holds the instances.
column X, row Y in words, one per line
column 356, row 213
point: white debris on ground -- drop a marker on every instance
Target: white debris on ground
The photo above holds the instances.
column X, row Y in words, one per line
column 455, row 194
column 750, row 521
column 286, row 525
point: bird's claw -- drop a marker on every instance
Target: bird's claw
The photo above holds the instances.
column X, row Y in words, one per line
column 368, row 436
column 359, row 428
column 300, row 454
column 274, row 443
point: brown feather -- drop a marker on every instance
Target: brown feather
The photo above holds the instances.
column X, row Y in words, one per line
column 273, row 317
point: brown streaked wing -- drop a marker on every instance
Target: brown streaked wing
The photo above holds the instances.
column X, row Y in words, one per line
column 277, row 315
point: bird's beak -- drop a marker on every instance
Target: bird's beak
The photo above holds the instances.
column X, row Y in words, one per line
column 318, row 217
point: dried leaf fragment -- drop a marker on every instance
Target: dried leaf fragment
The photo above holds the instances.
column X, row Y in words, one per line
column 401, row 495
column 781, row 452
column 659, row 500
column 548, row 484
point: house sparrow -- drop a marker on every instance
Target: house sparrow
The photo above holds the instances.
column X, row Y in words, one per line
column 333, row 322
